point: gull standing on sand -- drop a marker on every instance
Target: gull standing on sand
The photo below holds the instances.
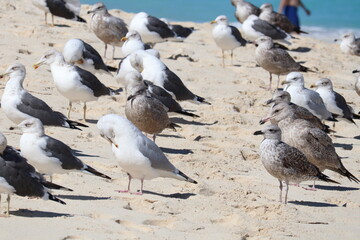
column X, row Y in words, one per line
column 284, row 162
column 137, row 155
column 244, row 10
column 18, row 104
column 134, row 79
column 133, row 42
column 350, row 44
column 154, row 70
column 254, row 27
column 49, row 155
column 69, row 9
column 147, row 113
column 106, row 27
column 82, row 54
column 226, row 37
column 277, row 19
column 275, row 60
column 299, row 112
column 334, row 102
column 20, row 178
column 151, row 29
column 74, row 83
column 357, row 82
column 305, row 97
column 314, row 143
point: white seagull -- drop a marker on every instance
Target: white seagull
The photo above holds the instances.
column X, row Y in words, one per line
column 244, row 9
column 137, row 155
column 350, row 44
column 133, row 42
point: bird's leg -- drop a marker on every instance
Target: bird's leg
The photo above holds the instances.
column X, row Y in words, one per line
column 313, row 188
column 105, row 50
column 141, row 188
column 223, row 58
column 270, row 81
column 232, row 54
column 84, row 116
column 70, row 105
column 46, row 18
column 154, row 137
column 128, row 189
column 52, row 20
column 287, row 190
column 281, row 187
column 113, row 53
column 277, row 85
column 50, row 176
column 8, row 205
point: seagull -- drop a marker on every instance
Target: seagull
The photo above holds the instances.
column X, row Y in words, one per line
column 244, row 10
column 106, row 27
column 357, row 82
column 20, row 178
column 18, row 104
column 151, row 29
column 147, row 113
column 299, row 112
column 82, row 54
column 137, row 155
column 49, row 155
column 334, row 102
column 154, row 70
column 305, row 97
column 74, row 83
column 254, row 27
column 278, row 19
column 275, row 60
column 134, row 79
column 285, row 162
column 226, row 37
column 133, row 42
column 350, row 44
column 314, row 143
column 180, row 31
column 69, row 9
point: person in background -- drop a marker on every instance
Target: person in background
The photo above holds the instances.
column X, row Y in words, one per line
column 289, row 8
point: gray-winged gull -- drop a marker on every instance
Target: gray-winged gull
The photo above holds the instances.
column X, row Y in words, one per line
column 18, row 104
column 316, row 145
column 82, row 54
column 133, row 42
column 244, row 9
column 20, row 178
column 357, row 81
column 285, row 162
column 137, row 155
column 305, row 97
column 69, row 9
column 106, row 27
column 350, row 44
column 147, row 113
column 74, row 83
column 49, row 155
column 227, row 37
column 275, row 60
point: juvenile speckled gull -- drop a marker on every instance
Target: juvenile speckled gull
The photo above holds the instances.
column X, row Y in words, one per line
column 20, row 178
column 350, row 44
column 226, row 37
column 275, row 60
column 244, row 9
column 305, row 97
column 284, row 162
column 74, row 83
column 18, row 104
column 106, row 27
column 49, row 155
column 69, row 9
column 334, row 102
column 137, row 155
column 82, row 54
column 316, row 145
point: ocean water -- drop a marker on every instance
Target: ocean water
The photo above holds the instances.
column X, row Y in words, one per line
column 328, row 20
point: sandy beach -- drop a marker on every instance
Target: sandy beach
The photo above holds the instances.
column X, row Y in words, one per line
column 235, row 197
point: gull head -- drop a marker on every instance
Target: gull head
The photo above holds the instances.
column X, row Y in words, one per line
column 278, row 112
column 3, row 143
column 266, row 7
column 221, row 20
column 49, row 57
column 131, row 35
column 32, row 125
column 278, row 97
column 294, row 79
column 132, row 79
column 324, row 83
column 15, row 70
column 270, row 132
column 98, row 8
column 348, row 37
column 264, row 42
column 136, row 61
column 73, row 51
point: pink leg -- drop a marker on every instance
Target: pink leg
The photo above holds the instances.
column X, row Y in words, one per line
column 128, row 190
column 311, row 188
column 141, row 189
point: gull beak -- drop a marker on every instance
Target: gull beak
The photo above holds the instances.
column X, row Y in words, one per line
column 312, row 86
column 123, row 39
column 212, row 22
column 264, row 120
column 335, row 40
column 258, row 132
column 284, row 82
column 4, row 75
column 90, row 11
column 38, row 64
column 269, row 101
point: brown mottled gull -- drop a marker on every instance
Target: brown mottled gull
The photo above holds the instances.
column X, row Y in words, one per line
column 284, row 162
column 275, row 60
column 313, row 142
column 106, row 27
column 244, row 9
column 147, row 113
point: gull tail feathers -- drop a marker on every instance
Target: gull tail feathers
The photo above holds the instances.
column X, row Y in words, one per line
column 185, row 178
column 115, row 91
column 75, row 125
column 199, row 99
column 79, row 19
column 325, row 178
column 111, row 69
column 344, row 172
column 187, row 113
column 95, row 172
column 53, row 198
column 51, row 185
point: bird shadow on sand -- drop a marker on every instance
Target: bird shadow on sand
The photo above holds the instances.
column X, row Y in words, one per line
column 336, row 188
column 186, row 122
column 313, row 204
column 38, row 214
column 92, row 121
column 173, row 195
column 357, row 137
column 176, row 151
column 81, row 197
column 344, row 146
column 61, row 25
column 301, row 49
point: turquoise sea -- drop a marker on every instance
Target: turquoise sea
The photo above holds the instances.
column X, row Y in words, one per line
column 328, row 19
